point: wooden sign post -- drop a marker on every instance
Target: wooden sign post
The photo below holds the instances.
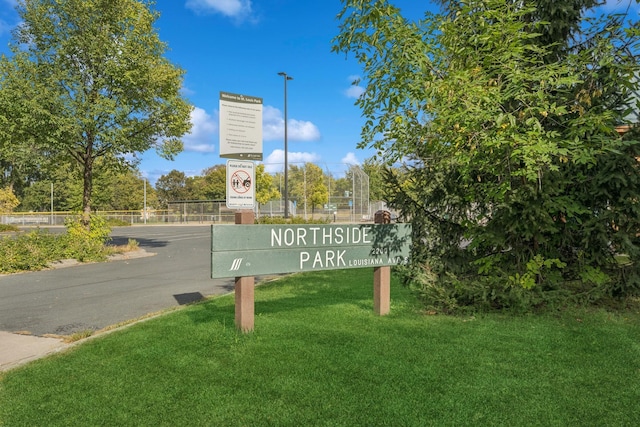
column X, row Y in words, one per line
column 382, row 277
column 244, row 286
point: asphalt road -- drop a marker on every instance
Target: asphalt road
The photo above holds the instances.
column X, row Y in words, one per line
column 94, row 296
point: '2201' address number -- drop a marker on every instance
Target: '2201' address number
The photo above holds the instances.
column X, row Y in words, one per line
column 380, row 251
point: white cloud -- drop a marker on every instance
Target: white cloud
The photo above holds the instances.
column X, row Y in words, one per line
column 355, row 90
column 297, row 130
column 203, row 130
column 230, row 8
column 350, row 159
column 272, row 124
column 274, row 162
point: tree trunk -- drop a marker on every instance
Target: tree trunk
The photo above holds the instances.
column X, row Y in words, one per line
column 87, row 178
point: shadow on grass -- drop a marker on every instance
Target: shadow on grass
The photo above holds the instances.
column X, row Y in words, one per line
column 188, row 298
column 315, row 295
column 295, row 293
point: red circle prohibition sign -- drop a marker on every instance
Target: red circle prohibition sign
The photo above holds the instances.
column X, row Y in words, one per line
column 241, row 181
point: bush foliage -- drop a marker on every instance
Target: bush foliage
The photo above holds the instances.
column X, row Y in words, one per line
column 36, row 249
column 8, row 228
column 505, row 118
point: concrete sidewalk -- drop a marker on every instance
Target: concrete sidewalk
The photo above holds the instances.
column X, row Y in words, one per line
column 16, row 349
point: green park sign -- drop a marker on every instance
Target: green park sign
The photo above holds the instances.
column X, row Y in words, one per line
column 253, row 250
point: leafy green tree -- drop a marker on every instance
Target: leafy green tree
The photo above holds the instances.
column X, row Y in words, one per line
column 8, row 200
column 87, row 80
column 21, row 161
column 266, row 189
column 195, row 188
column 307, row 186
column 37, row 197
column 114, row 189
column 297, row 184
column 517, row 185
column 130, row 189
column 278, row 179
column 375, row 172
column 67, row 191
column 19, row 174
column 212, row 184
column 123, row 190
column 319, row 195
column 342, row 186
column 172, row 187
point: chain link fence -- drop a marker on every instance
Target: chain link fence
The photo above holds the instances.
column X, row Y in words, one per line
column 351, row 207
column 180, row 214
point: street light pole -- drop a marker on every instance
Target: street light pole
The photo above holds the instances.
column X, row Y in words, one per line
column 286, row 150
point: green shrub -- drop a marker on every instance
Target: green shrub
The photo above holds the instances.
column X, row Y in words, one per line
column 133, row 244
column 97, row 230
column 87, row 243
column 115, row 222
column 37, row 249
column 447, row 291
column 7, row 227
column 31, row 251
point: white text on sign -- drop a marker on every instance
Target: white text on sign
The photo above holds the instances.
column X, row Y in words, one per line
column 314, row 236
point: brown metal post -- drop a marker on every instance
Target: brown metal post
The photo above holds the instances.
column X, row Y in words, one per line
column 244, row 286
column 382, row 276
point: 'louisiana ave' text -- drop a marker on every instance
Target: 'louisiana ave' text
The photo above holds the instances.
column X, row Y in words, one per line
column 336, row 259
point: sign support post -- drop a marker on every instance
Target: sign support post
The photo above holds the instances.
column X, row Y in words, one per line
column 381, row 283
column 382, row 290
column 244, row 286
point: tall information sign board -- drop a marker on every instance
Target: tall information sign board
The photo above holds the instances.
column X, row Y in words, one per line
column 240, row 126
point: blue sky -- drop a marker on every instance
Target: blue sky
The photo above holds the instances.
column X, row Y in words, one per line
column 239, row 46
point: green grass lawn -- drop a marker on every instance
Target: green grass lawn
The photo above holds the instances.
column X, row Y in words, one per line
column 319, row 356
